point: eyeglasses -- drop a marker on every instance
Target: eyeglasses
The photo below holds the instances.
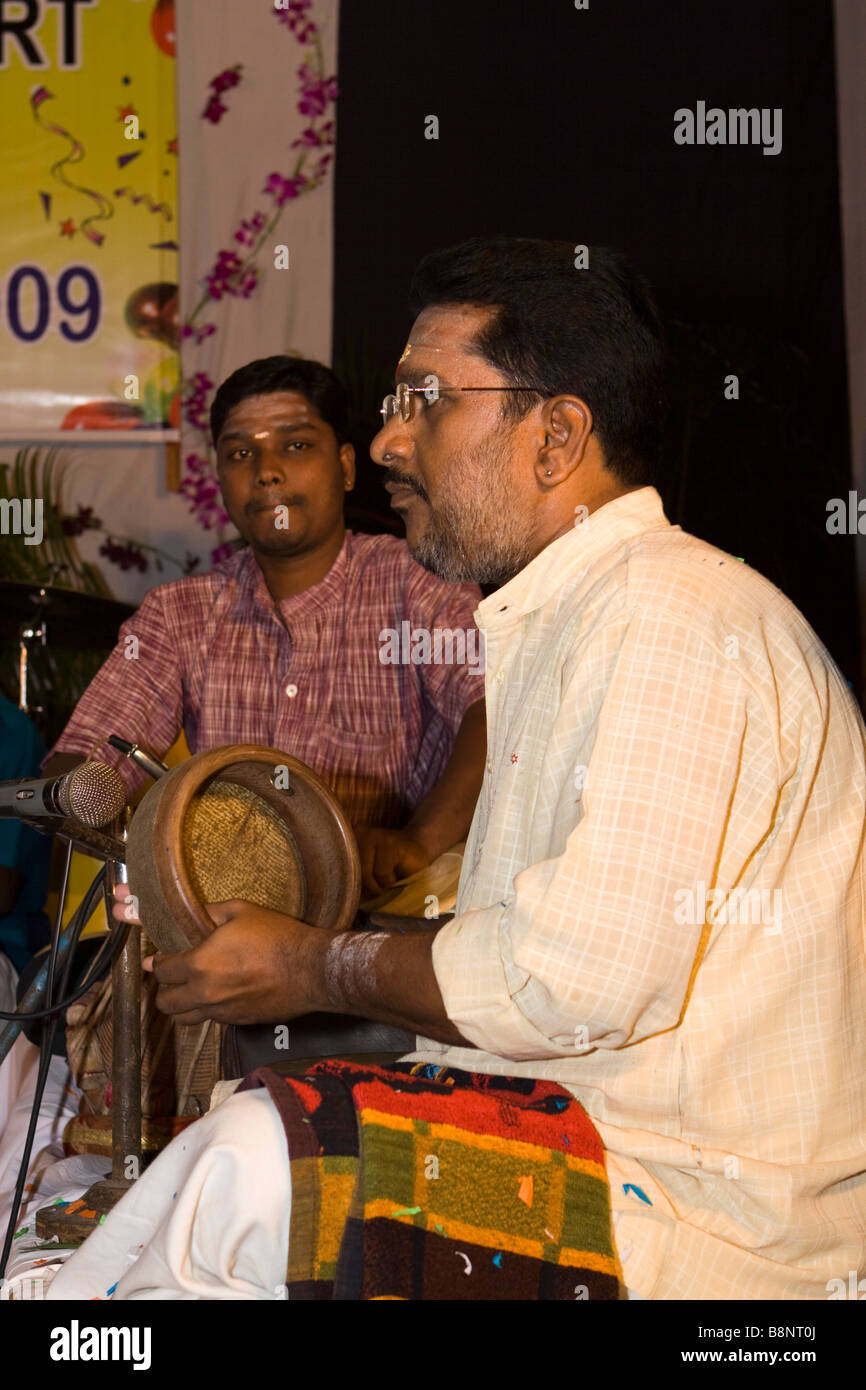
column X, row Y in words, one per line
column 401, row 402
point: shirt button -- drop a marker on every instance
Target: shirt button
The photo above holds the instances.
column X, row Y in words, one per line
column 291, row 691
column 490, row 765
column 500, row 677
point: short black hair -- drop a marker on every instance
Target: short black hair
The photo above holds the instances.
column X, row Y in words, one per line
column 318, row 383
column 594, row 333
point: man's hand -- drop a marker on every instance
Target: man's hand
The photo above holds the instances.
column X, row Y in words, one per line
column 253, row 968
column 388, row 856
column 258, row 966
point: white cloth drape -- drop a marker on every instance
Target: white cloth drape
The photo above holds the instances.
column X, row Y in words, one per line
column 224, row 168
column 209, row 1219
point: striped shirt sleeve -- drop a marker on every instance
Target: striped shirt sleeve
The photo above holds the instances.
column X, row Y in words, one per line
column 137, row 694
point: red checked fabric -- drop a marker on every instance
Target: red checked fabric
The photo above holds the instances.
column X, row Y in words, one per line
column 217, row 659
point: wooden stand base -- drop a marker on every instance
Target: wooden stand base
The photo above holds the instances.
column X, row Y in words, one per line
column 72, row 1222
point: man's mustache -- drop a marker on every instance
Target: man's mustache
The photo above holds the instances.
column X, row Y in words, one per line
column 404, row 480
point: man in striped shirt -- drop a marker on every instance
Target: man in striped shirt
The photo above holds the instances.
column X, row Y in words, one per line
column 335, row 647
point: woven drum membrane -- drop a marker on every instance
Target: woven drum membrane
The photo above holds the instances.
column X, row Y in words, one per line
column 236, row 846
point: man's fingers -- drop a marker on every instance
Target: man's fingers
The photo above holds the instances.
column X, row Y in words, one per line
column 371, row 887
column 171, row 970
column 174, row 995
column 180, row 1002
column 385, row 875
column 366, row 852
column 404, row 868
column 387, row 862
column 368, row 870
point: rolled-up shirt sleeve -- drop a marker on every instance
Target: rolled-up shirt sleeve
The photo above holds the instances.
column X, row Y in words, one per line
column 137, row 693
column 596, row 945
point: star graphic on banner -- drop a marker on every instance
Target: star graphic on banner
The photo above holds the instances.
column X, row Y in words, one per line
column 67, row 228
column 124, row 111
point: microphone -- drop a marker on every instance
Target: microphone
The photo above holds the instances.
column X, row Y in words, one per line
column 92, row 794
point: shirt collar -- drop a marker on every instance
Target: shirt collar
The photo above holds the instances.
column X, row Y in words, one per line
column 569, row 555
column 321, row 595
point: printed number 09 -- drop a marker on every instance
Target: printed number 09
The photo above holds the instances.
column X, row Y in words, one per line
column 89, row 305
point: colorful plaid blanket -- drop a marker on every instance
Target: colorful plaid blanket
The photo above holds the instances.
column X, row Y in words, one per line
column 427, row 1183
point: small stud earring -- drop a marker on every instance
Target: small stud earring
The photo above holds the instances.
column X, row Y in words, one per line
column 549, row 471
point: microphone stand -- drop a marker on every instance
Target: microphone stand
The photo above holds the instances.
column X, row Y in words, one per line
column 99, row 845
column 73, row 1222
column 73, row 1226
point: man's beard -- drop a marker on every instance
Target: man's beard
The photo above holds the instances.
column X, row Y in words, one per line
column 477, row 530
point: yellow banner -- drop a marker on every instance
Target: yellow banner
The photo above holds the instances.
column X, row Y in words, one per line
column 88, row 216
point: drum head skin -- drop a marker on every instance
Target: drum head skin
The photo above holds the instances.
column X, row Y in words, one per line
column 240, row 822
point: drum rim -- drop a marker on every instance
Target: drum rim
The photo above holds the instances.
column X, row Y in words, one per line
column 172, row 876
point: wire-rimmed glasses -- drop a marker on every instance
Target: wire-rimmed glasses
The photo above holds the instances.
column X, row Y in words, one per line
column 401, row 402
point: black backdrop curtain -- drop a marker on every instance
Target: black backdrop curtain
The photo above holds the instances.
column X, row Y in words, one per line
column 559, row 122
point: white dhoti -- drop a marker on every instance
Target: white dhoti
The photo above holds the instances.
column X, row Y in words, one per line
column 60, row 1101
column 209, row 1219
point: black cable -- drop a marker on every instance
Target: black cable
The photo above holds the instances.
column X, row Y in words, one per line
column 76, row 926
column 92, row 971
column 41, row 1077
column 58, row 930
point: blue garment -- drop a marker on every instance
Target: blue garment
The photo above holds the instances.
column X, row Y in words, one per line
column 26, row 927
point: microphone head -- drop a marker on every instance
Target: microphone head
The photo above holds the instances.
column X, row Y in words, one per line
column 93, row 794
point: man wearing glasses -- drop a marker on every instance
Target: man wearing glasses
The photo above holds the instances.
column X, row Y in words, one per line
column 661, row 904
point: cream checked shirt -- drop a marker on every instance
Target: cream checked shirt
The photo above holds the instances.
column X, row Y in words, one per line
column 662, row 902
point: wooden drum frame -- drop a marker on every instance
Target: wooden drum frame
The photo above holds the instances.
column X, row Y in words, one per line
column 298, row 835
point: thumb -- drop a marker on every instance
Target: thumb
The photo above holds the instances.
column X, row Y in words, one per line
column 220, row 913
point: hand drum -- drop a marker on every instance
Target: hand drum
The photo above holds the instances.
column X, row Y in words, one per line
column 240, row 822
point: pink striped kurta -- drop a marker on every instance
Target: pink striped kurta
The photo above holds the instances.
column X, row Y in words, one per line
column 215, row 658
